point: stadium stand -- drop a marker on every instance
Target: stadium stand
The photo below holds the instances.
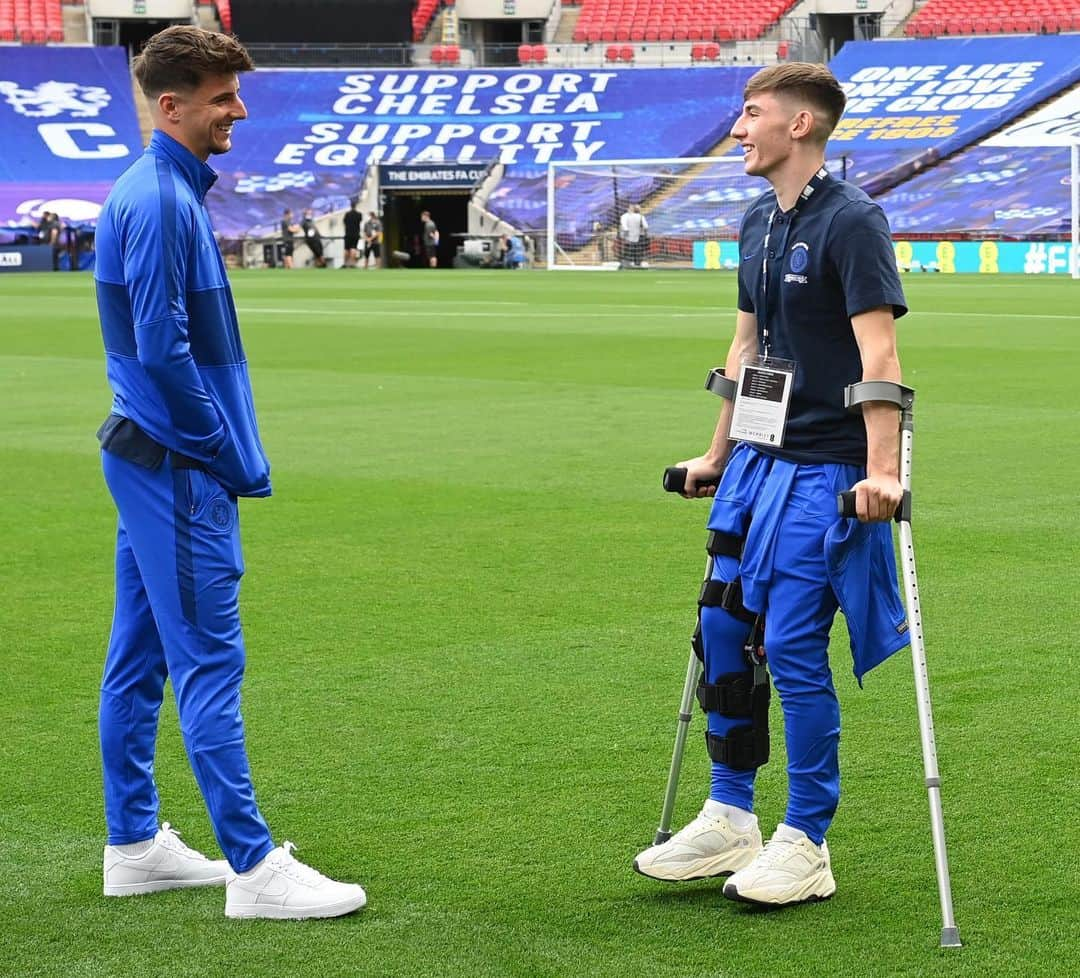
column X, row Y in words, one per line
column 445, row 54
column 224, row 10
column 31, row 21
column 1015, row 192
column 605, row 21
column 422, row 16
column 923, row 147
column 964, row 17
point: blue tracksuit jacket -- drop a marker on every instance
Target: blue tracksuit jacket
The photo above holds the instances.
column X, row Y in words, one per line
column 174, row 358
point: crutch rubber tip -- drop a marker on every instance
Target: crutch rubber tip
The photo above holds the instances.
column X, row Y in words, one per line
column 950, row 937
column 661, row 837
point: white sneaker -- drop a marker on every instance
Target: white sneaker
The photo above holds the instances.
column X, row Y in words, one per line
column 708, row 846
column 283, row 888
column 790, row 869
column 167, row 864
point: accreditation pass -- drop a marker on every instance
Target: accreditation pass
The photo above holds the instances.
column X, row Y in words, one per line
column 761, row 405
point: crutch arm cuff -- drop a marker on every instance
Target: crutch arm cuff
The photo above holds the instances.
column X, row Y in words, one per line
column 716, row 383
column 869, row 391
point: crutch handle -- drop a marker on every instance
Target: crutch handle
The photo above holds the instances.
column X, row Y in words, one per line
column 845, row 505
column 675, row 479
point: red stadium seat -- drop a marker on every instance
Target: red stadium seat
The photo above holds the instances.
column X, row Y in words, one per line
column 525, row 53
column 539, row 53
column 612, row 53
column 452, row 54
column 697, row 52
column 626, row 53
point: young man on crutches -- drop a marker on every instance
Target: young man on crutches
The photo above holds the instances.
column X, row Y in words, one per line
column 818, row 296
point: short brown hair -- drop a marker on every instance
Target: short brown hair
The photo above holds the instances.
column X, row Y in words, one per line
column 807, row 82
column 181, row 56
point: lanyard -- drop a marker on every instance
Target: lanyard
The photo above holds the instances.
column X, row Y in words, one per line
column 816, row 182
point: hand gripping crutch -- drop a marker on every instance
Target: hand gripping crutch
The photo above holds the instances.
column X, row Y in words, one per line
column 904, row 398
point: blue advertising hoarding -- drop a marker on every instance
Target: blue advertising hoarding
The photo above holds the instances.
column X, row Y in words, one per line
column 944, row 257
column 311, row 134
column 69, row 130
column 911, row 103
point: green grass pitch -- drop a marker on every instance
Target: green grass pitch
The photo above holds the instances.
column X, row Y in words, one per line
column 467, row 608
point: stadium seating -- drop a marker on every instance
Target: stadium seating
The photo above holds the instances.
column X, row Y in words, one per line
column 31, row 21
column 532, row 54
column 961, row 17
column 446, row 54
column 616, row 21
column 705, row 52
column 422, row 16
column 224, row 13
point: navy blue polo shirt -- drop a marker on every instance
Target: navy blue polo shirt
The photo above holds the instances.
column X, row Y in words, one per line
column 829, row 258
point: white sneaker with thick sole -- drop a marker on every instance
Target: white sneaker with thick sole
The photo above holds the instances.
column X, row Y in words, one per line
column 708, row 846
column 790, row 869
column 283, row 888
column 167, row 864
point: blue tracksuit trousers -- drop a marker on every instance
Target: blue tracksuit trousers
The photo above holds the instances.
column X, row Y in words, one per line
column 178, row 570
column 788, row 509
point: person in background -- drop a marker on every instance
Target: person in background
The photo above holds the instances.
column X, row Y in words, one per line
column 632, row 231
column 430, row 239
column 513, row 251
column 373, row 234
column 49, row 232
column 312, row 238
column 351, row 223
column 289, row 230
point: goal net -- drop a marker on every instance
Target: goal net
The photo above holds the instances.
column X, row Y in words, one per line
column 668, row 213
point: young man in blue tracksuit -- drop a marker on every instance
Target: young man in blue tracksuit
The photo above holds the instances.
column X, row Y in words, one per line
column 818, row 296
column 178, row 447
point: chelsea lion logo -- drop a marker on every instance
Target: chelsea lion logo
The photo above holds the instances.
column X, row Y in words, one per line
column 800, row 257
column 221, row 514
column 52, row 98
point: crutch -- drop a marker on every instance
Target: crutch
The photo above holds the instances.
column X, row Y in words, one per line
column 904, row 398
column 674, row 480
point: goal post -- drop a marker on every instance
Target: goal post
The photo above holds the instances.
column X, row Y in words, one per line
column 1074, row 206
column 689, row 208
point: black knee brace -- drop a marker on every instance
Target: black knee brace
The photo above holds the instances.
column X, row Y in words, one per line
column 720, row 594
column 737, row 694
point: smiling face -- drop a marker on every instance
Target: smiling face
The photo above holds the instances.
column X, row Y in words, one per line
column 768, row 131
column 202, row 118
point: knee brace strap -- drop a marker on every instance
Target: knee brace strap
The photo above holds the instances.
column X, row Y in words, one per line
column 743, row 749
column 721, row 544
column 726, row 595
column 747, row 747
column 732, row 694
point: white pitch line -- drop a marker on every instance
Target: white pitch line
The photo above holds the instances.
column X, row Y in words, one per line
column 588, row 312
column 368, row 312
